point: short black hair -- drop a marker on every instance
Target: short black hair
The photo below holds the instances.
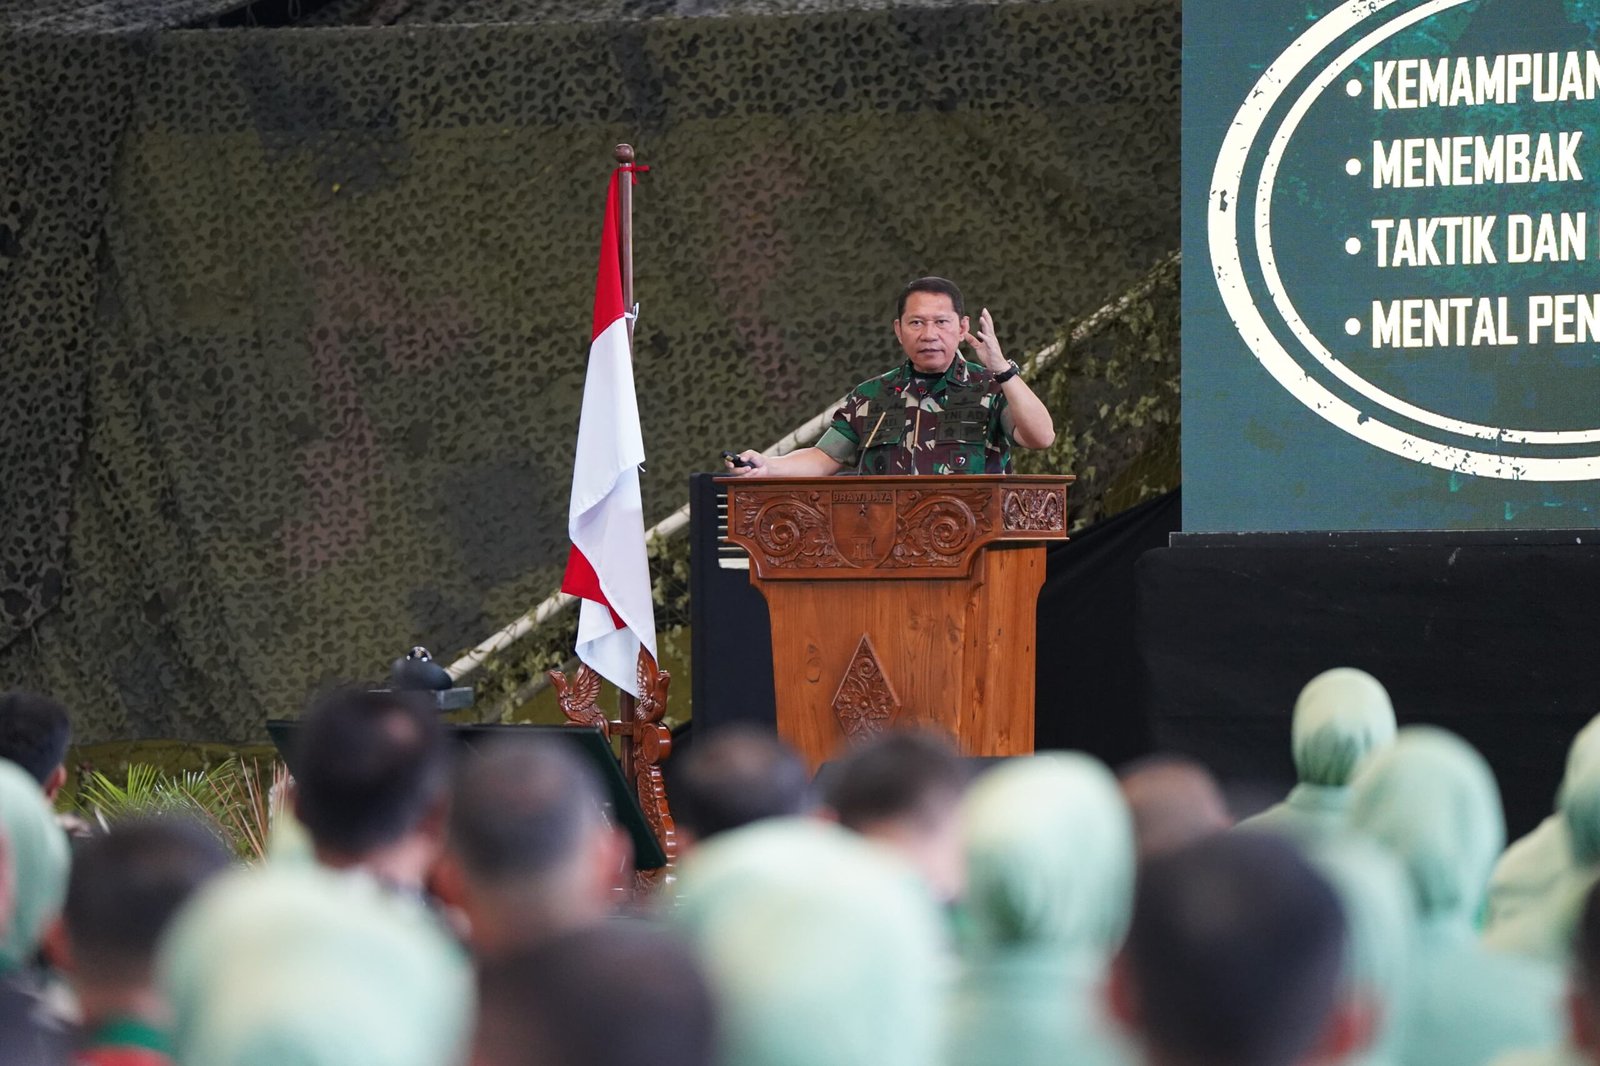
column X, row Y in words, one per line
column 521, row 808
column 34, row 733
column 937, row 286
column 906, row 774
column 368, row 767
column 128, row 882
column 553, row 1005
column 1235, row 952
column 738, row 775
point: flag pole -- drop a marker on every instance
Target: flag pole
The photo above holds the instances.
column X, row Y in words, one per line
column 625, row 158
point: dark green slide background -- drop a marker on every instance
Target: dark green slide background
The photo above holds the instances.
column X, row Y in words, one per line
column 1486, row 427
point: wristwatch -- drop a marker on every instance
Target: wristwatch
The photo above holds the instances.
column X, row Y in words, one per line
column 1006, row 375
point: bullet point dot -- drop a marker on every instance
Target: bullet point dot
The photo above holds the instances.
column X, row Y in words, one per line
column 1352, row 167
column 1352, row 326
column 1353, row 245
column 1353, row 87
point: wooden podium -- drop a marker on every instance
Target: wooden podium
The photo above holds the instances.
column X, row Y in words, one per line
column 899, row 600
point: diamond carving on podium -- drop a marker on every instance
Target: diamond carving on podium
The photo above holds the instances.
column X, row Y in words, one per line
column 865, row 703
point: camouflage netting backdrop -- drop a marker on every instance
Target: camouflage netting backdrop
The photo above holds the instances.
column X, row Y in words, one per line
column 294, row 320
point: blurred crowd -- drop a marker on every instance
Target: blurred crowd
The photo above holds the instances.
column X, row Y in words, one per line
column 424, row 906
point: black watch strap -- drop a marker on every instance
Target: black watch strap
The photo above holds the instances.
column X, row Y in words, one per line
column 1007, row 374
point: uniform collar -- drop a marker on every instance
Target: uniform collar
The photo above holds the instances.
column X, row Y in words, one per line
column 957, row 373
column 131, row 1032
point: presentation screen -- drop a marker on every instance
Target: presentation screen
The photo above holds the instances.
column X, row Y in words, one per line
column 1391, row 307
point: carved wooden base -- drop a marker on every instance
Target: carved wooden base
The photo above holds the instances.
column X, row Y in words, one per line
column 645, row 744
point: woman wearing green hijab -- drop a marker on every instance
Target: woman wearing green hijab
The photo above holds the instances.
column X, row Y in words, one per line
column 1380, row 928
column 281, row 965
column 821, row 950
column 1531, row 868
column 1341, row 717
column 1050, row 862
column 39, row 861
column 1542, row 925
column 1431, row 800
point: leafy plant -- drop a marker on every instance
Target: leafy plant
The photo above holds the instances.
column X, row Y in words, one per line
column 239, row 799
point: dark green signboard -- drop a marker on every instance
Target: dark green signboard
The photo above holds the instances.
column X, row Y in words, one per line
column 1391, row 234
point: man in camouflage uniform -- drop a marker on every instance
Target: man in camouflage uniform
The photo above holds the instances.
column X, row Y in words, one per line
column 935, row 413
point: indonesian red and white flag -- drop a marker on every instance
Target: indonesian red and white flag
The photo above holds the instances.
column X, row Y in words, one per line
column 606, row 567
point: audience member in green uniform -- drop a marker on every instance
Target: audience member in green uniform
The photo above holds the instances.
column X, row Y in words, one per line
column 1050, row 862
column 314, row 967
column 28, row 1036
column 1432, row 801
column 821, row 949
column 1582, row 1044
column 1542, row 926
column 1530, row 869
column 127, row 884
column 1380, row 928
column 1340, row 718
column 39, row 861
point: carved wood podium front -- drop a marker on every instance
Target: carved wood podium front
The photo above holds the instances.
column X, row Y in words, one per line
column 900, row 600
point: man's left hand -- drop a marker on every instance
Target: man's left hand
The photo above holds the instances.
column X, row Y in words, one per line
column 984, row 343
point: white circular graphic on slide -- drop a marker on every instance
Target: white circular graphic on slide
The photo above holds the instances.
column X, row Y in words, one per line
column 1223, row 219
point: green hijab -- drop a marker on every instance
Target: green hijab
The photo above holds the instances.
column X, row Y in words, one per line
column 40, row 861
column 1530, row 869
column 1543, row 924
column 1380, row 924
column 822, row 951
column 1340, row 718
column 1050, row 865
column 1431, row 800
column 298, row 965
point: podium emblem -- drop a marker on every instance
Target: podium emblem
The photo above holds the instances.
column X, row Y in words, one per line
column 865, row 703
column 863, row 525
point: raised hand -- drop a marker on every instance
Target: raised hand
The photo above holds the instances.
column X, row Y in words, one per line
column 983, row 342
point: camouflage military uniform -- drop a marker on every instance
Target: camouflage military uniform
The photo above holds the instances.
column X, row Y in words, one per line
column 908, row 423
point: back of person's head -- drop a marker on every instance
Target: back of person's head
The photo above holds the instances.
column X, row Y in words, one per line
column 39, row 862
column 1432, row 801
column 736, row 776
column 907, row 776
column 126, row 885
column 903, row 790
column 368, row 768
column 1174, row 801
column 300, row 964
column 820, row 950
column 522, row 810
column 556, row 1004
column 1050, row 855
column 34, row 733
column 1233, row 957
column 1341, row 717
column 529, row 835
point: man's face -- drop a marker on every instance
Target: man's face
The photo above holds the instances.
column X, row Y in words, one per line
column 930, row 331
